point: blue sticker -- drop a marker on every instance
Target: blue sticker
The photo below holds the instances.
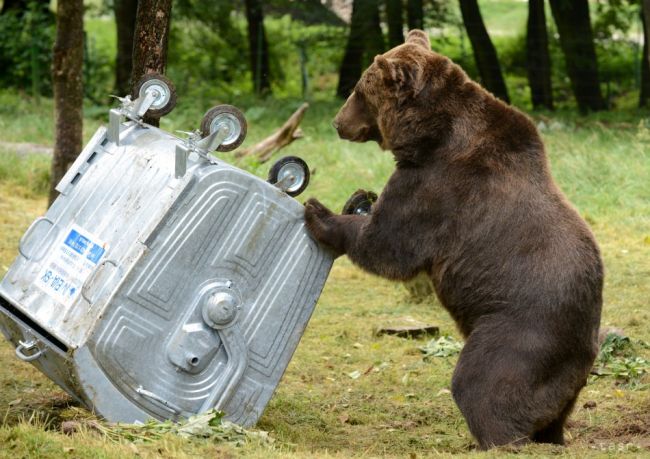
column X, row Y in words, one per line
column 95, row 253
column 77, row 242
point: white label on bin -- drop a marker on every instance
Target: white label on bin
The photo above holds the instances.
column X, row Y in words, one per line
column 70, row 263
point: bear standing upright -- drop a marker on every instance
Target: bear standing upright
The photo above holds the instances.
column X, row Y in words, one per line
column 472, row 203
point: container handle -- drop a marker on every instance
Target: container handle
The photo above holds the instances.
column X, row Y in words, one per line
column 28, row 235
column 86, row 290
column 157, row 398
column 29, row 345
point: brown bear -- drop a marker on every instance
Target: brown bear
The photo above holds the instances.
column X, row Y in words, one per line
column 472, row 204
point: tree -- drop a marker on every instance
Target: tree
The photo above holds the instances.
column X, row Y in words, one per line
column 395, row 23
column 374, row 37
column 537, row 57
column 67, row 82
column 415, row 14
column 365, row 41
column 125, row 13
column 577, row 43
column 351, row 65
column 258, row 46
column 484, row 52
column 644, row 97
column 151, row 37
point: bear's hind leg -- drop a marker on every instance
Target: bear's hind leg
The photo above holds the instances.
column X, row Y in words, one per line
column 554, row 432
column 491, row 421
column 496, row 411
column 496, row 385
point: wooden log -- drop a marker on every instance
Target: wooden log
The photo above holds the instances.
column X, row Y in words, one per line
column 279, row 139
column 407, row 327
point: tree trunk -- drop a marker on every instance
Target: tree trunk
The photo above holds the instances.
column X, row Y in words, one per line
column 351, row 65
column 150, row 45
column 537, row 57
column 365, row 41
column 374, row 37
column 67, row 83
column 644, row 96
column 125, row 13
column 259, row 47
column 395, row 23
column 577, row 43
column 415, row 14
column 484, row 52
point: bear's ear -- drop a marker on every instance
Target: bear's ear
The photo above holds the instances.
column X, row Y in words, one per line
column 406, row 78
column 419, row 37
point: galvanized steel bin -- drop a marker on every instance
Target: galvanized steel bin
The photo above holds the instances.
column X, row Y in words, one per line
column 163, row 282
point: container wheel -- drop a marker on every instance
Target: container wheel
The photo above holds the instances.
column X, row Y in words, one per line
column 166, row 99
column 225, row 115
column 290, row 174
column 360, row 203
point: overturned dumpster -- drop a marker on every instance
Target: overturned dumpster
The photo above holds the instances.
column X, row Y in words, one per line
column 164, row 282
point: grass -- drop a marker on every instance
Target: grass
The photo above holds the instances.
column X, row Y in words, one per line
column 348, row 393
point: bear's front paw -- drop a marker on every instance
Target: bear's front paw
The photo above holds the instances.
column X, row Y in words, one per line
column 314, row 210
column 320, row 223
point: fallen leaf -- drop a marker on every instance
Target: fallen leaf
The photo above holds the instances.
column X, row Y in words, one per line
column 382, row 366
column 355, row 374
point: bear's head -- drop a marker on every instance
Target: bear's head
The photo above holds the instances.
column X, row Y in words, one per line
column 402, row 100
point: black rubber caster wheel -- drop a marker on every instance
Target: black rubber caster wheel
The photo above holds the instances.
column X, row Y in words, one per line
column 360, row 203
column 166, row 100
column 229, row 116
column 290, row 174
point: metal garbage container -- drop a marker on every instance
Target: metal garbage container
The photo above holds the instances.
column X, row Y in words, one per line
column 164, row 282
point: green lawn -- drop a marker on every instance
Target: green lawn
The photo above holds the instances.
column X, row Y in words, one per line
column 399, row 404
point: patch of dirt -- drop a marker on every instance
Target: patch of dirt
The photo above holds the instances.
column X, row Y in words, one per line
column 633, row 428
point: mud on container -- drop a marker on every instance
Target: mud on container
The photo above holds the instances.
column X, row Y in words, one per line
column 164, row 282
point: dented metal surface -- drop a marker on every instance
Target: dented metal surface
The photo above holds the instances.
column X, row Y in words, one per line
column 153, row 290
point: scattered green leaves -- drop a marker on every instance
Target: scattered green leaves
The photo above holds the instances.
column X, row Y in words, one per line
column 445, row 346
column 208, row 425
column 617, row 358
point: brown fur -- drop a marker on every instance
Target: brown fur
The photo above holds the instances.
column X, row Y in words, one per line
column 472, row 203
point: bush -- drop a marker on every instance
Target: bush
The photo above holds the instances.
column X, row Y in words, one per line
column 26, row 49
column 212, row 59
